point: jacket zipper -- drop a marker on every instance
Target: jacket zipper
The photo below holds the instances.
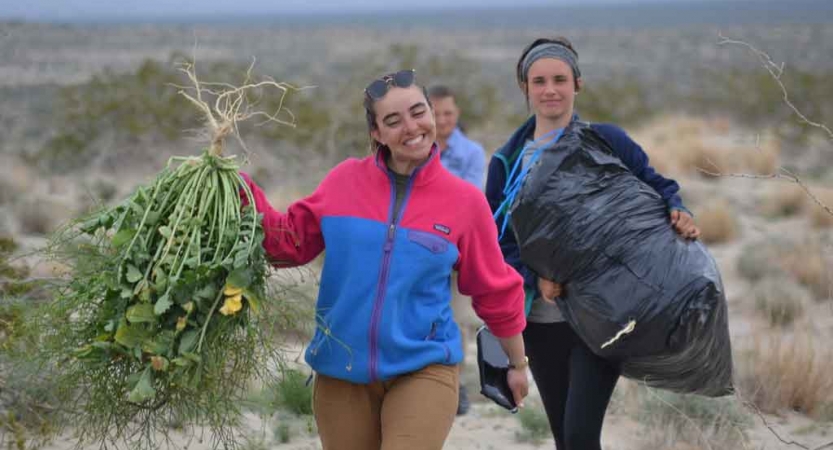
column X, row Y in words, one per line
column 433, row 332
column 388, row 250
column 380, row 298
column 383, row 274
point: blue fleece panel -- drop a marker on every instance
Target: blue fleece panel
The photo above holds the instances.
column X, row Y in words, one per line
column 404, row 342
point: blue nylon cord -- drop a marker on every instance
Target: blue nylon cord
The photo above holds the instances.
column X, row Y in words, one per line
column 516, row 180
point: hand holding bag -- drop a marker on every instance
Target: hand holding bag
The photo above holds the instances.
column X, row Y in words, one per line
column 493, row 365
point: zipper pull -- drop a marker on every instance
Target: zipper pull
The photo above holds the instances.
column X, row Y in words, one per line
column 389, row 241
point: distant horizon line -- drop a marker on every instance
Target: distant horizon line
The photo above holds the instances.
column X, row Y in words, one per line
column 373, row 12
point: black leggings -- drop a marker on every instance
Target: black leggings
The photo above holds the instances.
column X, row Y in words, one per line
column 575, row 384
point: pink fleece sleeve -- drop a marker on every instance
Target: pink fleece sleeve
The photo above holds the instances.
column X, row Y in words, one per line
column 495, row 287
column 293, row 238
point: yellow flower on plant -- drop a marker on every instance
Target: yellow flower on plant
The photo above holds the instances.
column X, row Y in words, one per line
column 181, row 323
column 232, row 305
column 231, row 290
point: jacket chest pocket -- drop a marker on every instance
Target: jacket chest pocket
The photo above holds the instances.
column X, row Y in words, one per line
column 430, row 242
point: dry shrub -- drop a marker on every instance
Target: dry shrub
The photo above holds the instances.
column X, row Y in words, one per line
column 8, row 191
column 785, row 200
column 808, row 264
column 787, row 372
column 667, row 140
column 676, row 421
column 807, row 261
column 38, row 216
column 705, row 159
column 717, row 222
column 15, row 180
column 819, row 217
column 719, row 156
column 760, row 158
column 662, row 162
column 781, row 300
column 680, row 144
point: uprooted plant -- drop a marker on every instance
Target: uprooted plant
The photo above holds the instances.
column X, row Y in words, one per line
column 167, row 315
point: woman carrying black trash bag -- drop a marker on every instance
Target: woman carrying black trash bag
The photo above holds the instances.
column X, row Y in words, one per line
column 574, row 383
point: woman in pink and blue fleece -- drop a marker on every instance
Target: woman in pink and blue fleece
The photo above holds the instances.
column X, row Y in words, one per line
column 395, row 226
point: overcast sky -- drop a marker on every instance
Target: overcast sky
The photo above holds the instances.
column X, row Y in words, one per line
column 36, row 10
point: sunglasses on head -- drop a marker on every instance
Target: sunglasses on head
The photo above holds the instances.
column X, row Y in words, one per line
column 378, row 88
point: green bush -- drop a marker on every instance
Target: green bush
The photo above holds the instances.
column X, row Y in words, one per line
column 294, row 394
column 26, row 401
column 535, row 427
column 616, row 101
column 37, row 216
column 130, row 109
column 337, row 129
column 284, row 432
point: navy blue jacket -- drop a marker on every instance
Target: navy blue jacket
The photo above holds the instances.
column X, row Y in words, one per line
column 623, row 146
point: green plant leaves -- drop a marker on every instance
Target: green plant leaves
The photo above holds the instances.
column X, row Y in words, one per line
column 141, row 313
column 253, row 300
column 240, row 277
column 133, row 275
column 188, row 341
column 123, row 237
column 165, row 231
column 130, row 336
column 143, row 391
column 162, row 304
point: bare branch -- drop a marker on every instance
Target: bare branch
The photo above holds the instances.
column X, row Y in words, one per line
column 751, row 406
column 781, row 173
column 776, row 70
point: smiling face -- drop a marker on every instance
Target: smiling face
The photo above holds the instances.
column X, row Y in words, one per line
column 405, row 124
column 551, row 89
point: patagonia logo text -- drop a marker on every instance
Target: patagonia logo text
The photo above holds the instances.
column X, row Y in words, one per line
column 442, row 228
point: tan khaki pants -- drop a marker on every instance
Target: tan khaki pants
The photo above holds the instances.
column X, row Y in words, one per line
column 410, row 412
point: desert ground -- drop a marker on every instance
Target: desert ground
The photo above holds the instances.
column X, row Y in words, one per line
column 758, row 178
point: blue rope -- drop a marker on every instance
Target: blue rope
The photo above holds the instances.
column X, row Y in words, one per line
column 516, row 180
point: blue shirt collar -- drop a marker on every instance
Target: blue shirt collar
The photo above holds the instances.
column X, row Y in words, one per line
column 455, row 138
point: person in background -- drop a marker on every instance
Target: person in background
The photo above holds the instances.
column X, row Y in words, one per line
column 459, row 154
column 395, row 225
column 575, row 384
column 466, row 159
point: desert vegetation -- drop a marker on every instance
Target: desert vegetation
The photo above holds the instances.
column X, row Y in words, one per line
column 82, row 128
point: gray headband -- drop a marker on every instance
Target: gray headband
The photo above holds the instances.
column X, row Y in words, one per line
column 550, row 50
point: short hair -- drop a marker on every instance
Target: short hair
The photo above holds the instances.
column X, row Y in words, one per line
column 440, row 91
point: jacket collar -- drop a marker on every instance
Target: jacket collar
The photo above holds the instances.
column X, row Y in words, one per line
column 520, row 136
column 423, row 174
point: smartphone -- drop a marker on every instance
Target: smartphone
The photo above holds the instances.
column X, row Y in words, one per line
column 493, row 365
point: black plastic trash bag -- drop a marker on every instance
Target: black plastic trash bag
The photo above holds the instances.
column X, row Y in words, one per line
column 635, row 291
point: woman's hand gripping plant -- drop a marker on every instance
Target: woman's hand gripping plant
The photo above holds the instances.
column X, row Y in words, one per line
column 163, row 319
